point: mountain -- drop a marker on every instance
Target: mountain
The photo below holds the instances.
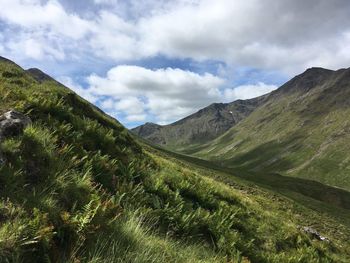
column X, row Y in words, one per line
column 38, row 75
column 200, row 127
column 301, row 130
column 76, row 186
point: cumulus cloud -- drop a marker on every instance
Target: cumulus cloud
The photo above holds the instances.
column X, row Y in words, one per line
column 47, row 16
column 163, row 95
column 110, row 2
column 284, row 35
column 35, row 47
column 276, row 36
column 247, row 91
column 70, row 83
column 167, row 94
column 287, row 35
column 132, row 107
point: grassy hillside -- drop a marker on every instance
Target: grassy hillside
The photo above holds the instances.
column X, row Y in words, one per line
column 302, row 130
column 76, row 187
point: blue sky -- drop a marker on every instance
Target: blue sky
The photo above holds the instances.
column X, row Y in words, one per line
column 162, row 60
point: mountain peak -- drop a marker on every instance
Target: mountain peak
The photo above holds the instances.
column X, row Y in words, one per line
column 201, row 126
column 307, row 80
column 316, row 71
column 3, row 59
column 39, row 75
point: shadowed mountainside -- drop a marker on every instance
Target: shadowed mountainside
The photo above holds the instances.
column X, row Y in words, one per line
column 200, row 127
column 302, row 130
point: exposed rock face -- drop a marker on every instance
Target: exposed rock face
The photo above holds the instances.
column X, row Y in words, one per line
column 12, row 123
column 200, row 127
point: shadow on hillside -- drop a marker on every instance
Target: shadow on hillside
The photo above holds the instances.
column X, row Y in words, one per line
column 266, row 157
column 315, row 195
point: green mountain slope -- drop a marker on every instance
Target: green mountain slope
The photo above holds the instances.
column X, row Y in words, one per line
column 200, row 127
column 75, row 186
column 302, row 130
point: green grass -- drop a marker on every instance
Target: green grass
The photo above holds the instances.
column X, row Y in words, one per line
column 297, row 134
column 77, row 187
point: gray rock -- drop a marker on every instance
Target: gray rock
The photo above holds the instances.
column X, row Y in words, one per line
column 314, row 234
column 12, row 123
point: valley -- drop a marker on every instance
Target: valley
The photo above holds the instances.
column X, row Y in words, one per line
column 76, row 186
column 299, row 130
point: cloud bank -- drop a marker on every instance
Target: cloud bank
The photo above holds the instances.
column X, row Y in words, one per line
column 285, row 35
column 280, row 36
column 166, row 94
column 135, row 93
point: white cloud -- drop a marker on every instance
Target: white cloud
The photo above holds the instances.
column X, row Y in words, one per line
column 107, row 104
column 167, row 94
column 280, row 35
column 136, row 117
column 247, row 91
column 285, row 35
column 35, row 48
column 164, row 95
column 108, row 2
column 48, row 16
column 270, row 35
column 70, row 83
column 131, row 107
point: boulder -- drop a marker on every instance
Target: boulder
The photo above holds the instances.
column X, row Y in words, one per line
column 12, row 123
column 314, row 234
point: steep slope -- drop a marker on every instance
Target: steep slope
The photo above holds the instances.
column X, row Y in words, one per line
column 76, row 187
column 200, row 127
column 302, row 130
column 38, row 75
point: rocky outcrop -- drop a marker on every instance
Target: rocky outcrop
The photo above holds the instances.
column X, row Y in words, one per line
column 12, row 123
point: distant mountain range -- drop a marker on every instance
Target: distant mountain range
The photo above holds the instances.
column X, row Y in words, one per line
column 301, row 129
column 200, row 127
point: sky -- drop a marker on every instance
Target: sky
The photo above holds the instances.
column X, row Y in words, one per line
column 159, row 61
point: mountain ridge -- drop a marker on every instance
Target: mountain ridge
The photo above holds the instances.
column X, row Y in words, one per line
column 302, row 130
column 201, row 126
column 39, row 75
column 307, row 112
column 168, row 135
